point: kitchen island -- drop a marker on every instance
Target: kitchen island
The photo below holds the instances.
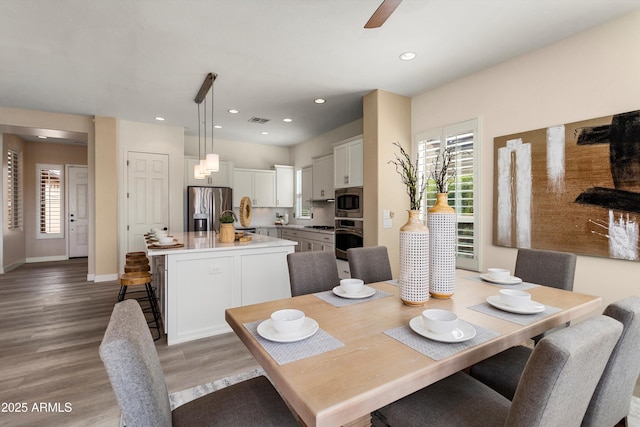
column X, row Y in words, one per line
column 197, row 282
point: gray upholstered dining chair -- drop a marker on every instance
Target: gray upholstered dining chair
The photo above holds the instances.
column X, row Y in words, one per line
column 311, row 272
column 371, row 264
column 133, row 366
column 548, row 268
column 554, row 390
column 612, row 397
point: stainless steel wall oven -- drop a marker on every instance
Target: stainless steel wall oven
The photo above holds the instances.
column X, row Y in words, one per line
column 348, row 235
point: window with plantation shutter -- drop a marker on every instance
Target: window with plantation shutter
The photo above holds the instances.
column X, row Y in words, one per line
column 14, row 189
column 461, row 138
column 49, row 179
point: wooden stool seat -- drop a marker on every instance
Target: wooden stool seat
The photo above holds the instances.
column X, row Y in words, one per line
column 136, row 255
column 135, row 278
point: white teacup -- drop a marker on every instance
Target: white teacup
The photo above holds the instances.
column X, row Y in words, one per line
column 498, row 273
column 515, row 298
column 165, row 240
column 351, row 286
column 287, row 321
column 439, row 321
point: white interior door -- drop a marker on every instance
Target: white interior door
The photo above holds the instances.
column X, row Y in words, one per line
column 147, row 196
column 78, row 211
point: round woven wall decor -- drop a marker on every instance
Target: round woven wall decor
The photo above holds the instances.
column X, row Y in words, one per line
column 245, row 211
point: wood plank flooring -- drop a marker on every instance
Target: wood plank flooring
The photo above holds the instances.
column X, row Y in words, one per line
column 51, row 323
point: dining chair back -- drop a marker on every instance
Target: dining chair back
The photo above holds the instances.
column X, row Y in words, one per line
column 311, row 272
column 371, row 264
column 132, row 364
column 548, row 268
column 554, row 390
column 612, row 398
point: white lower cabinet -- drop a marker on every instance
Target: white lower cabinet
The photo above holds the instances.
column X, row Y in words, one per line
column 310, row 241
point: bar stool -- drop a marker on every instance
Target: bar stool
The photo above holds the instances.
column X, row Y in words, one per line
column 142, row 279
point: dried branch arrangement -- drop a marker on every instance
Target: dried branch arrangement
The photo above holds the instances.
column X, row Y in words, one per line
column 409, row 174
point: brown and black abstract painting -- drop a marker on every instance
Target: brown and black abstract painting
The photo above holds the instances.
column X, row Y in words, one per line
column 572, row 187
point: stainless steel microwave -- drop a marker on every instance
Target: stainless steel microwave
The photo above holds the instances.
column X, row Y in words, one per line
column 348, row 202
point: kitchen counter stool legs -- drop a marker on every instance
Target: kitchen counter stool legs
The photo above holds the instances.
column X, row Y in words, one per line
column 139, row 276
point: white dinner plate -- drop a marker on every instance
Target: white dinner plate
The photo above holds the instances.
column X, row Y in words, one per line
column 365, row 292
column 511, row 280
column 463, row 332
column 533, row 307
column 266, row 331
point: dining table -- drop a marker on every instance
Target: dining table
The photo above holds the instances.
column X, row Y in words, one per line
column 364, row 353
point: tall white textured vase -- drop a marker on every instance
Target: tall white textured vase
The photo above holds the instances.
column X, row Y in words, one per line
column 414, row 261
column 441, row 220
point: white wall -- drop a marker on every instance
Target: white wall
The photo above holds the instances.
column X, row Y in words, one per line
column 589, row 75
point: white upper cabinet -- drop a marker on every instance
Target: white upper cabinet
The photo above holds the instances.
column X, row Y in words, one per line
column 323, row 178
column 284, row 186
column 258, row 185
column 348, row 164
column 222, row 178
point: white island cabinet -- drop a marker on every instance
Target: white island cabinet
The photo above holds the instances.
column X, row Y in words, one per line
column 205, row 277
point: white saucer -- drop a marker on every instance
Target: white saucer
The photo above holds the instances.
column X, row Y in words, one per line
column 463, row 332
column 511, row 280
column 533, row 307
column 365, row 292
column 266, row 331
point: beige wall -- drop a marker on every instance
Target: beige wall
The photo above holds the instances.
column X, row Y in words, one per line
column 387, row 119
column 53, row 154
column 106, row 190
column 13, row 241
column 589, row 75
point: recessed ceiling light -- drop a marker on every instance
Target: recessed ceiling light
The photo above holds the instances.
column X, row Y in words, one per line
column 160, row 119
column 408, row 56
column 218, row 126
column 319, row 101
column 287, row 119
column 264, row 133
column 42, row 137
column 232, row 111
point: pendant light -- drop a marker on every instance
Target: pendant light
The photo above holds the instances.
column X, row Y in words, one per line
column 212, row 163
column 198, row 170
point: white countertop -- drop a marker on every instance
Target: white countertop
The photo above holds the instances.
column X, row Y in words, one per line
column 196, row 241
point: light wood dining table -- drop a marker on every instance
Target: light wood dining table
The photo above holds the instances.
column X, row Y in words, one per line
column 343, row 386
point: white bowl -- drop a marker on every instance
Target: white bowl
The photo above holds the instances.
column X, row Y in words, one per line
column 161, row 234
column 499, row 273
column 351, row 286
column 515, row 298
column 165, row 240
column 287, row 321
column 440, row 321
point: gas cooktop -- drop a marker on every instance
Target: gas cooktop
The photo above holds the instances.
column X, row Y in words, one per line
column 320, row 227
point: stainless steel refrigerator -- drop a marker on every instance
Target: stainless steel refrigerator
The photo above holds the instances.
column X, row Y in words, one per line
column 205, row 205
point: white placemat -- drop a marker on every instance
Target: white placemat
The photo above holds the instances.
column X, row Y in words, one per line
column 336, row 301
column 520, row 286
column 520, row 319
column 283, row 353
column 438, row 350
column 393, row 282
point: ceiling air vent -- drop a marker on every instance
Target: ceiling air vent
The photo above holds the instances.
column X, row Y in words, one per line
column 258, row 120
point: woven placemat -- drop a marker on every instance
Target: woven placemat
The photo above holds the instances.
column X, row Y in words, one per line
column 336, row 301
column 283, row 353
column 438, row 350
column 520, row 286
column 520, row 319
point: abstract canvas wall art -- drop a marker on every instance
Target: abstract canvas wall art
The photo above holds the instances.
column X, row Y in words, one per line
column 573, row 187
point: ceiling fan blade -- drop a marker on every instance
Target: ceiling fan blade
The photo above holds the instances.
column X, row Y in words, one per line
column 382, row 13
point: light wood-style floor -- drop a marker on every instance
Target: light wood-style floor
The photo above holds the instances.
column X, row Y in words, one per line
column 51, row 323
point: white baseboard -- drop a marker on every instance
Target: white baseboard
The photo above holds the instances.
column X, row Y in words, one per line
column 105, row 277
column 12, row 266
column 48, row 258
column 91, row 277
